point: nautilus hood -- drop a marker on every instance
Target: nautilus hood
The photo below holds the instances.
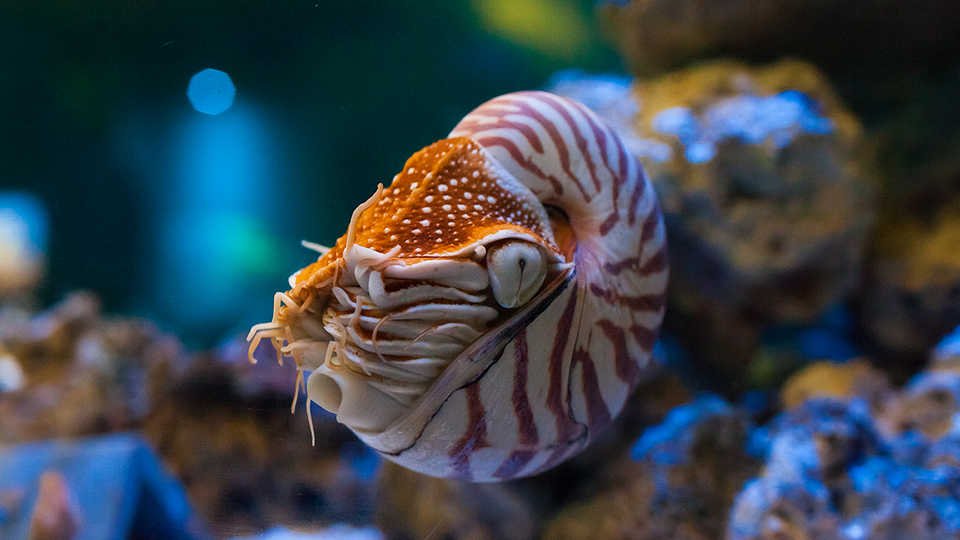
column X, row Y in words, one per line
column 449, row 198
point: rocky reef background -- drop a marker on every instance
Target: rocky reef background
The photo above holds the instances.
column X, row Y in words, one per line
column 807, row 159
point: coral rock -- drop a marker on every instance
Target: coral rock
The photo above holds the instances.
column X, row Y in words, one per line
column 11, row 374
column 929, row 405
column 83, row 375
column 832, row 473
column 762, row 195
column 765, row 198
column 415, row 506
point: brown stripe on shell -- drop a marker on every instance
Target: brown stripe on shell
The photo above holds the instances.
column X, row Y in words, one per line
column 569, row 431
column 635, row 199
column 517, row 155
column 558, row 142
column 582, row 145
column 505, row 123
column 598, row 416
column 626, row 368
column 644, row 337
column 527, row 436
column 640, row 302
column 474, row 438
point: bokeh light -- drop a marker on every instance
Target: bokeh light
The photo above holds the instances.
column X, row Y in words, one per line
column 211, row 91
column 213, row 239
column 555, row 28
column 23, row 239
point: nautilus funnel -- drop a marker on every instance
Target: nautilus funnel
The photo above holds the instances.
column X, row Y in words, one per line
column 485, row 315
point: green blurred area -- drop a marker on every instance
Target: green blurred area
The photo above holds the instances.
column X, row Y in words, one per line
column 93, row 103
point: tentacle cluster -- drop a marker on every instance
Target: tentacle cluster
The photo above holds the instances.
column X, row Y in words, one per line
column 393, row 334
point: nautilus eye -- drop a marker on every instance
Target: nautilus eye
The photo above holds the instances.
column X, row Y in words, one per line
column 517, row 270
column 489, row 312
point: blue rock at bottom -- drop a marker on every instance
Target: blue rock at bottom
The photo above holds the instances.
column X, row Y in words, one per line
column 117, row 485
column 831, row 474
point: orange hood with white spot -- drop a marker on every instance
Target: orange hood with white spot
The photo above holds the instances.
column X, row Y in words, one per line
column 450, row 197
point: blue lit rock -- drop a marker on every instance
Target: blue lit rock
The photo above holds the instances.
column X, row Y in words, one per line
column 928, row 405
column 947, row 352
column 105, row 488
column 833, row 471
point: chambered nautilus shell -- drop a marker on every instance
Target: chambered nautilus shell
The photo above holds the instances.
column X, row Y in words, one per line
column 489, row 312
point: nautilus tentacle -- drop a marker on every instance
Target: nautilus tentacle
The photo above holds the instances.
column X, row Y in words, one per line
column 489, row 312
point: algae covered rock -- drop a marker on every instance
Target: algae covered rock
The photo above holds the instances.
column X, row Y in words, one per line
column 765, row 193
column 416, row 506
column 766, row 203
column 843, row 469
column 929, row 405
column 841, row 381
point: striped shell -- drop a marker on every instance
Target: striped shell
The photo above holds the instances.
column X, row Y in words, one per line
column 486, row 315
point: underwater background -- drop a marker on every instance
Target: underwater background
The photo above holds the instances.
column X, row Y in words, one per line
column 163, row 161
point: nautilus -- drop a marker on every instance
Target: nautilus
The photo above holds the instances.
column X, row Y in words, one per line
column 488, row 313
